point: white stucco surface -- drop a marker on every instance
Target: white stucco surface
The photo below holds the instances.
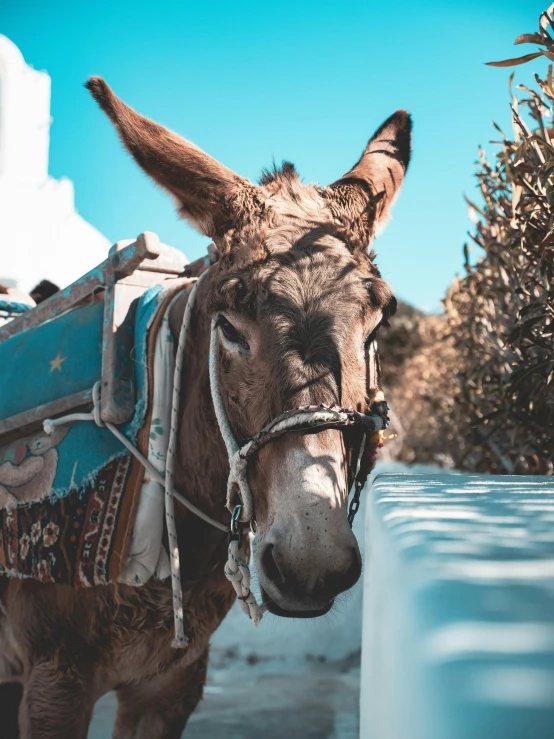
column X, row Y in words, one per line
column 41, row 234
column 458, row 633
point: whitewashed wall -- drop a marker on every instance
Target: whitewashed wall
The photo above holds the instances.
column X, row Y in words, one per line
column 41, row 234
column 458, row 633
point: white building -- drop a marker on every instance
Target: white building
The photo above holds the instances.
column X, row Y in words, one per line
column 41, row 234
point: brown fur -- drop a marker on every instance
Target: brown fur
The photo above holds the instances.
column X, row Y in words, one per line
column 295, row 275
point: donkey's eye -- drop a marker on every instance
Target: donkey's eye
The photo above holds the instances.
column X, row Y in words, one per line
column 230, row 332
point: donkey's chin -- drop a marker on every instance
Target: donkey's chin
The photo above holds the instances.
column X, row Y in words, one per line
column 290, row 612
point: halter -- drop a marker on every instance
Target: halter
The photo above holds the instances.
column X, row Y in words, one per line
column 308, row 418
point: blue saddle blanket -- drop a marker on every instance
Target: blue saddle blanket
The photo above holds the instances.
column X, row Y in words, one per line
column 53, row 360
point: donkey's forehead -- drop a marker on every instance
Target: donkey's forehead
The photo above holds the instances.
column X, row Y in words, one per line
column 318, row 269
column 315, row 269
column 293, row 250
column 283, row 212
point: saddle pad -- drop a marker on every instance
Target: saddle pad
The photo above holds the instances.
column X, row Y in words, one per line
column 77, row 540
column 68, row 501
column 58, row 358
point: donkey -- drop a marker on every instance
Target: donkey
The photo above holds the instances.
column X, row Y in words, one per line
column 297, row 298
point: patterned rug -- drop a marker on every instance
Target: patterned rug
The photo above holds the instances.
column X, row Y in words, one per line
column 76, row 540
column 68, row 501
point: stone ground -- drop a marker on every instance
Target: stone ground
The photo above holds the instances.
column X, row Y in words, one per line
column 245, row 701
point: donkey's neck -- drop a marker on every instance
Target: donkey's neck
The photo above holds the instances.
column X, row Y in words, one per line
column 201, row 465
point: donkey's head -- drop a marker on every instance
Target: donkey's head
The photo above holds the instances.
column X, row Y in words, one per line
column 298, row 301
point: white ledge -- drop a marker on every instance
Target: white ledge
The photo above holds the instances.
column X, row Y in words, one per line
column 458, row 628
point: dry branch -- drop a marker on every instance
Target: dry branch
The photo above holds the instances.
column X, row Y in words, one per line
column 476, row 386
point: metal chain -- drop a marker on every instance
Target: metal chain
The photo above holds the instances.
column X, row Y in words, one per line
column 355, row 502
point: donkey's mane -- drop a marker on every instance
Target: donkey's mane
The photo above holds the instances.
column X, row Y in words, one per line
column 287, row 171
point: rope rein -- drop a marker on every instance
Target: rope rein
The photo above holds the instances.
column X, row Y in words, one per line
column 179, row 639
column 306, row 418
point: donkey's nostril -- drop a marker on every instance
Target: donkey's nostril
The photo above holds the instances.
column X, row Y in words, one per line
column 341, row 580
column 270, row 566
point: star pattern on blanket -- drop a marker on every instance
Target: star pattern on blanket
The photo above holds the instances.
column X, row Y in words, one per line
column 56, row 363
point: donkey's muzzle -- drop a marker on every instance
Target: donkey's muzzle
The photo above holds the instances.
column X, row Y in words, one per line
column 305, row 586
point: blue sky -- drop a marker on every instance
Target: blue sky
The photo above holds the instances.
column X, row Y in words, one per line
column 250, row 82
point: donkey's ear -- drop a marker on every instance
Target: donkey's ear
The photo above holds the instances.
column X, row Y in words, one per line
column 208, row 194
column 374, row 181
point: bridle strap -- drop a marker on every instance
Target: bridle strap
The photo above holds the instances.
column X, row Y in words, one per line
column 314, row 418
column 372, row 364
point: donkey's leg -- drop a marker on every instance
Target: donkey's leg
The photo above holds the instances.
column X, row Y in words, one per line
column 57, row 702
column 10, row 698
column 160, row 709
